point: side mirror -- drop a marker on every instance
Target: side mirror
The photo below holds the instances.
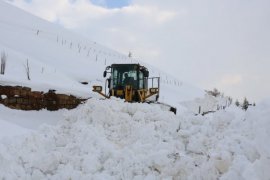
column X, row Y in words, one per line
column 104, row 73
column 146, row 74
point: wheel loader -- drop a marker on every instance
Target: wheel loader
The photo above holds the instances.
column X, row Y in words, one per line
column 132, row 83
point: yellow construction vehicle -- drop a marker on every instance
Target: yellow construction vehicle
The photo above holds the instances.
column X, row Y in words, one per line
column 132, row 83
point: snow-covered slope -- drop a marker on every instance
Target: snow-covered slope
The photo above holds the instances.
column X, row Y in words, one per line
column 60, row 60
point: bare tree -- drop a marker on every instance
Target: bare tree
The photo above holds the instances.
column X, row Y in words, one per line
column 130, row 54
column 230, row 100
column 27, row 69
column 70, row 46
column 3, row 62
column 215, row 92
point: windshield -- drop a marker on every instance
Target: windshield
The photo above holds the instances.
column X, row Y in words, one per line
column 123, row 76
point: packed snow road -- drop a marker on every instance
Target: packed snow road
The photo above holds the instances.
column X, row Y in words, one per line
column 115, row 140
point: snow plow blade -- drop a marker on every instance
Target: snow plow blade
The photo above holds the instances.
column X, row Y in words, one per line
column 164, row 106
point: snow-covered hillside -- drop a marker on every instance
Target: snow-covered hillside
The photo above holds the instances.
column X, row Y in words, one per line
column 111, row 139
column 60, row 60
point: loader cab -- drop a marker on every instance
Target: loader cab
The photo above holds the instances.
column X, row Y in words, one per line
column 134, row 76
column 132, row 83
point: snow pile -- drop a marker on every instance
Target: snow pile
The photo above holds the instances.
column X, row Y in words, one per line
column 117, row 140
column 206, row 103
column 255, row 162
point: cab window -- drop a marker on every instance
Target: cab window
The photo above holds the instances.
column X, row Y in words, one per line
column 141, row 80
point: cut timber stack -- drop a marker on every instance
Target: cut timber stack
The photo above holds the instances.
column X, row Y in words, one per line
column 17, row 97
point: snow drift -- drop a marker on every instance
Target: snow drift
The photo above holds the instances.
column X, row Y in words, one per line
column 117, row 140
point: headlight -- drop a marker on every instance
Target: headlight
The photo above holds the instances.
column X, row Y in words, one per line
column 97, row 88
column 153, row 90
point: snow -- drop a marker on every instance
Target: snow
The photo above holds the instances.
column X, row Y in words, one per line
column 111, row 139
column 10, row 129
column 29, row 119
column 206, row 103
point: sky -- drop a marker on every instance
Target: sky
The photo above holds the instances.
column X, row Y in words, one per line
column 222, row 44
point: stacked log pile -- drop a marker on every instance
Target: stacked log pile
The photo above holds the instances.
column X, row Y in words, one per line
column 23, row 98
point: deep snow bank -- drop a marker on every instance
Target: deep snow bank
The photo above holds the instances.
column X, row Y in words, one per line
column 116, row 140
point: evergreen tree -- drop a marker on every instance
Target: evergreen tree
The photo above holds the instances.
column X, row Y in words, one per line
column 237, row 103
column 245, row 104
